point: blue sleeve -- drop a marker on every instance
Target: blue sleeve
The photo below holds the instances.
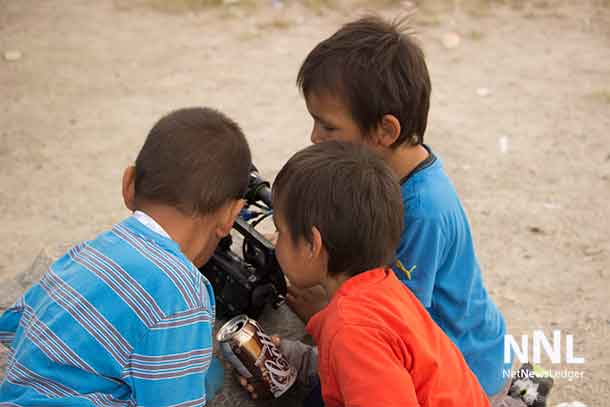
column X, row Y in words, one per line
column 419, row 256
column 9, row 323
column 169, row 365
column 214, row 379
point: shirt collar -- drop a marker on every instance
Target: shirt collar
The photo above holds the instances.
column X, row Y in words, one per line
column 150, row 223
column 427, row 162
column 159, row 238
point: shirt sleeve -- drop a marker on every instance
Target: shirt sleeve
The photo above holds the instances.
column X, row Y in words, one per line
column 214, row 379
column 369, row 371
column 9, row 322
column 419, row 256
column 169, row 365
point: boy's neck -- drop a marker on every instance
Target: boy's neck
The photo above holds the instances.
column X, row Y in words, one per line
column 332, row 283
column 404, row 160
column 191, row 233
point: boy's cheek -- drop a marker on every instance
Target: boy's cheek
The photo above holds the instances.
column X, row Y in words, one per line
column 283, row 265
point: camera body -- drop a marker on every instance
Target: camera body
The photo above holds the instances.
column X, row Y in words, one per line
column 246, row 284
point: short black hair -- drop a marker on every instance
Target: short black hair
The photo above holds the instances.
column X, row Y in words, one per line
column 351, row 196
column 195, row 159
column 375, row 68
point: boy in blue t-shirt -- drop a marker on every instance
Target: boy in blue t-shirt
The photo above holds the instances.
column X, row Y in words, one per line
column 368, row 83
column 126, row 319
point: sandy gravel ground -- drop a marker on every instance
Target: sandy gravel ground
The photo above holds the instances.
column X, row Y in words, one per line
column 520, row 116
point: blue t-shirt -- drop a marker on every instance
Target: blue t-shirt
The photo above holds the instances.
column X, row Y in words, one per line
column 122, row 320
column 437, row 261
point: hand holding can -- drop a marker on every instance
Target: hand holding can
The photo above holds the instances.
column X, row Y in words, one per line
column 256, row 357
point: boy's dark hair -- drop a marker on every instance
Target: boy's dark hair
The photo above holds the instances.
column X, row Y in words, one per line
column 194, row 159
column 375, row 68
column 350, row 196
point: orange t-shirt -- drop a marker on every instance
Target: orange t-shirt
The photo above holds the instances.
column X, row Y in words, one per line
column 379, row 347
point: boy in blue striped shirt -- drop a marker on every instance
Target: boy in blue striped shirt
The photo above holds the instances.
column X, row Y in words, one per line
column 126, row 319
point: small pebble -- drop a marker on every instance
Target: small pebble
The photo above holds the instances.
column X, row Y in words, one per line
column 12, row 55
column 483, row 92
column 451, row 40
column 551, row 205
column 536, row 230
column 503, row 144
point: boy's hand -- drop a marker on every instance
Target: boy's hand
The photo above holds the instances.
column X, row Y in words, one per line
column 307, row 301
column 249, row 388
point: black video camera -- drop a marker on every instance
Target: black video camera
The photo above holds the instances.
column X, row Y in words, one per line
column 245, row 284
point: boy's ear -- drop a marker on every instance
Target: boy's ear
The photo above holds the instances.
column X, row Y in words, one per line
column 129, row 187
column 316, row 244
column 227, row 217
column 388, row 131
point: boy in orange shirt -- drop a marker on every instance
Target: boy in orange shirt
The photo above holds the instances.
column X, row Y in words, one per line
column 377, row 344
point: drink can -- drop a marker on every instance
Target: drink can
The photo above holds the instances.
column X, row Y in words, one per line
column 255, row 357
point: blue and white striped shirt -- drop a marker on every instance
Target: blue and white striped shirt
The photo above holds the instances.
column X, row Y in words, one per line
column 122, row 320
